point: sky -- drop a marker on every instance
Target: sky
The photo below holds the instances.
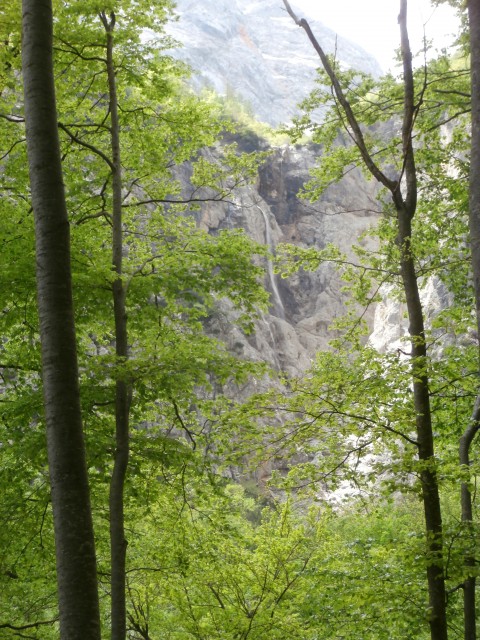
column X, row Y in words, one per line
column 373, row 23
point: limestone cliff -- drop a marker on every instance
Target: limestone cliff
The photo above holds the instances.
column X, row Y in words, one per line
column 253, row 51
column 304, row 305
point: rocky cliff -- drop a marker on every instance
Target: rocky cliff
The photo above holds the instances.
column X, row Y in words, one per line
column 253, row 50
column 304, row 305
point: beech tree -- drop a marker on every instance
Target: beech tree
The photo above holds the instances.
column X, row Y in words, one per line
column 404, row 193
column 174, row 273
column 474, row 222
column 74, row 541
column 359, row 105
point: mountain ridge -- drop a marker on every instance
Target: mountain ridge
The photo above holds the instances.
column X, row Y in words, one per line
column 254, row 51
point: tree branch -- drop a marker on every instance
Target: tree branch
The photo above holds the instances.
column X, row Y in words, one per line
column 357, row 134
column 87, row 145
column 15, row 119
column 409, row 112
column 32, row 625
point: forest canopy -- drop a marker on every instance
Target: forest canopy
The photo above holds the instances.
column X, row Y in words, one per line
column 133, row 503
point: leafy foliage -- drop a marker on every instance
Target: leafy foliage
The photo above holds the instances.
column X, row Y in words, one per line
column 333, row 546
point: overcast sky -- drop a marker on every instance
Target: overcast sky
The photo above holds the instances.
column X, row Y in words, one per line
column 373, row 23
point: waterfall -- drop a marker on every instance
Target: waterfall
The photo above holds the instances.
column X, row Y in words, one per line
column 278, row 307
column 273, row 342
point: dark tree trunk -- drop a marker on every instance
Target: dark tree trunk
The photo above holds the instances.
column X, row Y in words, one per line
column 118, row 542
column 421, row 398
column 469, row 614
column 74, row 541
column 474, row 23
column 474, row 223
column 405, row 206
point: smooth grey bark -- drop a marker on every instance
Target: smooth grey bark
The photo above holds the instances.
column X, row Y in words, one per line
column 118, row 542
column 404, row 199
column 74, row 540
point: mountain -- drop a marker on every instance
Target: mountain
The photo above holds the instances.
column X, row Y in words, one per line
column 255, row 52
column 304, row 305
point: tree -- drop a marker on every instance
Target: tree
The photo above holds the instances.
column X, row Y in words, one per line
column 437, row 175
column 118, row 543
column 235, row 570
column 174, row 273
column 474, row 222
column 74, row 542
column 404, row 193
column 123, row 385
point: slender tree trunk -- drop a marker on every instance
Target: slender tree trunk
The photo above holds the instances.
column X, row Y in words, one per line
column 474, row 23
column 421, row 398
column 406, row 207
column 469, row 614
column 74, row 541
column 474, row 224
column 118, row 542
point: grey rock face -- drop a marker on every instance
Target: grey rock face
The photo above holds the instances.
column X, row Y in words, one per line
column 253, row 50
column 304, row 305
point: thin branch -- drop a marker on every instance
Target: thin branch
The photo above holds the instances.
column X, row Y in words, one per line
column 17, row 367
column 184, row 426
column 218, row 198
column 216, row 595
column 391, row 185
column 78, row 53
column 409, row 112
column 12, row 147
column 456, row 115
column 400, row 434
column 82, row 143
column 83, row 125
column 15, row 119
column 93, row 216
column 453, row 92
column 32, row 625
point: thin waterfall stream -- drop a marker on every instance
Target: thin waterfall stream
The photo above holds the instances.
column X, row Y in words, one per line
column 278, row 307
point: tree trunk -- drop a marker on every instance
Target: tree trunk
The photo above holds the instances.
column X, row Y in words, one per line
column 421, row 399
column 406, row 210
column 474, row 23
column 469, row 614
column 405, row 207
column 118, row 542
column 474, row 224
column 74, row 541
